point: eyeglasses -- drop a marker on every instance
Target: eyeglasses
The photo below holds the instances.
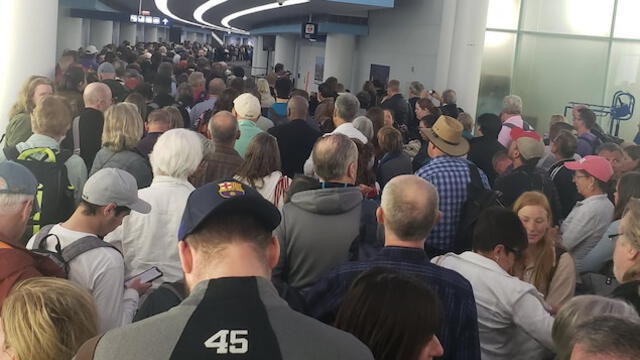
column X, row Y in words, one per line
column 614, row 237
column 576, row 176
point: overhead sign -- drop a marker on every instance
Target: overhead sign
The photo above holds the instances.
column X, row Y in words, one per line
column 146, row 19
column 309, row 30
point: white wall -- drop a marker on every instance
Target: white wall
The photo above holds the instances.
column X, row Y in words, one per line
column 406, row 38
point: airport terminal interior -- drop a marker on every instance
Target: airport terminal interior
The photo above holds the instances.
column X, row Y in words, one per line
column 320, row 179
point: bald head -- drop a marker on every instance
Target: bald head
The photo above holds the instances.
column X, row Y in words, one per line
column 216, row 86
column 223, row 127
column 409, row 207
column 297, row 108
column 97, row 96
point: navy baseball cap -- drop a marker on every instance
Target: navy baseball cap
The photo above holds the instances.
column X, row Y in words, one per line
column 17, row 179
column 224, row 197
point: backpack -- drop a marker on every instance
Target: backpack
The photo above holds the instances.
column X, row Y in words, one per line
column 604, row 137
column 54, row 197
column 63, row 256
column 525, row 126
column 478, row 199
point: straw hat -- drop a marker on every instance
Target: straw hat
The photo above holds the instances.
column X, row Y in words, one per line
column 446, row 135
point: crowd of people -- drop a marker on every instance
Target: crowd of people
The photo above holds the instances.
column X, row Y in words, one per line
column 157, row 203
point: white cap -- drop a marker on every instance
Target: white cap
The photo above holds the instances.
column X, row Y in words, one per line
column 91, row 49
column 114, row 186
column 247, row 106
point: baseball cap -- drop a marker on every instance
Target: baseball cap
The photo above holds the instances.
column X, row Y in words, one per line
column 223, row 197
column 90, row 50
column 17, row 179
column 596, row 166
column 247, row 106
column 114, row 186
column 106, row 68
column 529, row 143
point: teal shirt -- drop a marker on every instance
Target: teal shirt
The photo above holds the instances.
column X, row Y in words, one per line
column 248, row 130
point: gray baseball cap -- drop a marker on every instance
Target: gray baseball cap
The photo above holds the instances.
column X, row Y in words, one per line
column 106, row 68
column 17, row 179
column 114, row 186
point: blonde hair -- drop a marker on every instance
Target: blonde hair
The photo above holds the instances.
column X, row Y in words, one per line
column 52, row 116
column 177, row 122
column 48, row 318
column 557, row 119
column 263, row 87
column 25, row 103
column 122, row 127
column 544, row 251
column 632, row 236
column 466, row 120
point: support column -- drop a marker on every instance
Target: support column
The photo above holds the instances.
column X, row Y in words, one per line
column 150, row 33
column 338, row 58
column 466, row 42
column 191, row 36
column 116, row 33
column 18, row 19
column 259, row 58
column 101, row 33
column 285, row 51
column 69, row 34
column 128, row 32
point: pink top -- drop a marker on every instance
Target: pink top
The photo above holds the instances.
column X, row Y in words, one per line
column 505, row 134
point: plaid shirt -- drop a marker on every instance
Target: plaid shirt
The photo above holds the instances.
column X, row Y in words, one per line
column 459, row 332
column 450, row 175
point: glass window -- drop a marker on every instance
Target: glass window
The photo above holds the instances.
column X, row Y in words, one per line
column 497, row 64
column 551, row 71
column 578, row 17
column 503, row 14
column 624, row 74
column 627, row 24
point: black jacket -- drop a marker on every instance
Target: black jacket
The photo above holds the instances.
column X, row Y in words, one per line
column 400, row 108
column 482, row 150
column 567, row 191
column 528, row 178
column 295, row 141
column 630, row 292
column 91, row 124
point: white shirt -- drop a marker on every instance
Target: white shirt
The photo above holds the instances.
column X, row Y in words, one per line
column 513, row 320
column 101, row 272
column 151, row 239
column 585, row 225
column 345, row 129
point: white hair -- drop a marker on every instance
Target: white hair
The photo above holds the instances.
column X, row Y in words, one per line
column 177, row 154
column 512, row 104
column 12, row 203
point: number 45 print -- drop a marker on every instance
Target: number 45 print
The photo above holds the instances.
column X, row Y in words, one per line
column 225, row 344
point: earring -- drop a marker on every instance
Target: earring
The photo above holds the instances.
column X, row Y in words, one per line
column 497, row 258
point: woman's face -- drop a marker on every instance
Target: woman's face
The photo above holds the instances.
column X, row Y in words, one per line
column 624, row 255
column 628, row 164
column 41, row 91
column 535, row 220
column 388, row 118
column 420, row 113
column 432, row 349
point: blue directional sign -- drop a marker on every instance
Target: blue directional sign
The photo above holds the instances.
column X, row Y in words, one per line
column 153, row 20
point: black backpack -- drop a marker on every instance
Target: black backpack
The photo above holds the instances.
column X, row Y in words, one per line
column 525, row 126
column 62, row 256
column 54, row 198
column 478, row 199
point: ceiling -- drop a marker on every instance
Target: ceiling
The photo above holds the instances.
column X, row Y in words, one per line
column 185, row 8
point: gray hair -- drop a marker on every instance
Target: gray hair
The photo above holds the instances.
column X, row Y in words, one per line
column 177, row 154
column 332, row 156
column 223, row 127
column 347, row 106
column 12, row 203
column 609, row 335
column 579, row 310
column 449, row 97
column 365, row 126
column 410, row 206
column 512, row 105
column 416, row 88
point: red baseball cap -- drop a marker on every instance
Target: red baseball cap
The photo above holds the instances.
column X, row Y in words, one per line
column 596, row 166
column 517, row 133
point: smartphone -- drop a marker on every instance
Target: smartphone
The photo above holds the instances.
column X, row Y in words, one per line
column 146, row 276
column 431, row 91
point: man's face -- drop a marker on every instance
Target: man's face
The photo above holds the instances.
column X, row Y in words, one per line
column 513, row 151
column 113, row 220
column 201, row 52
column 616, row 159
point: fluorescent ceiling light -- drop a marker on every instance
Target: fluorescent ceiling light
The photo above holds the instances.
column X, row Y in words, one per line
column 227, row 19
column 163, row 6
column 198, row 14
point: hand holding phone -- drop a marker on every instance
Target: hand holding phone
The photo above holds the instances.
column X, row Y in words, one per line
column 146, row 276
